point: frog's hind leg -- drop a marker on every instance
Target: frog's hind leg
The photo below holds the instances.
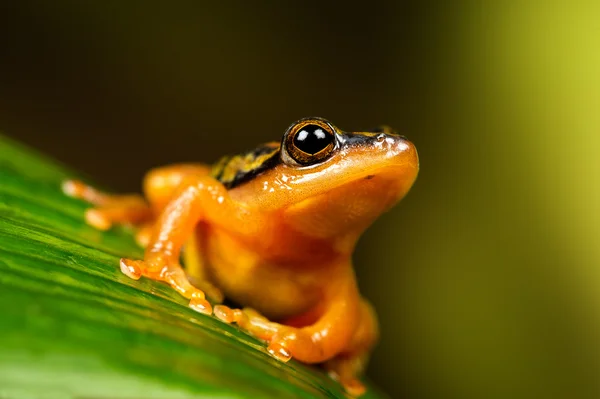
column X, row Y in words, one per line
column 349, row 365
column 161, row 183
column 159, row 186
column 346, row 367
column 133, row 209
column 109, row 209
column 340, row 333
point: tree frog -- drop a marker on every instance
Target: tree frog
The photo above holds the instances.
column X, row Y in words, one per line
column 272, row 229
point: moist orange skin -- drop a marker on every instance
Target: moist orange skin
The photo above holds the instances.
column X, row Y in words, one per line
column 279, row 244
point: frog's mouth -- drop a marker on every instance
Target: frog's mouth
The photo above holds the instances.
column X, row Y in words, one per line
column 346, row 210
column 376, row 190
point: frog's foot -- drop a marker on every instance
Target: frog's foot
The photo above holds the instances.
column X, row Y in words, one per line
column 172, row 273
column 345, row 369
column 108, row 209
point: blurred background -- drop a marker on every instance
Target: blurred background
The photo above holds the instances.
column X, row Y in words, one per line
column 486, row 277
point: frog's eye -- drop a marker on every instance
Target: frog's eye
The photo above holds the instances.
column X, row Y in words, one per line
column 310, row 141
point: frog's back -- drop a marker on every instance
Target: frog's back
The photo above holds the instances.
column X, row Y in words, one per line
column 233, row 170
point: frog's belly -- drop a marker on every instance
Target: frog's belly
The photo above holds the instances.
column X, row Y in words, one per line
column 276, row 291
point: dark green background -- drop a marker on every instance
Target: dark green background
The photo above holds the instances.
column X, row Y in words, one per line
column 486, row 276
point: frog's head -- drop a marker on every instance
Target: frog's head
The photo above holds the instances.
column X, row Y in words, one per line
column 330, row 183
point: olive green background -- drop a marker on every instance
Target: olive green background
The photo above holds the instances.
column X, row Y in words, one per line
column 486, row 276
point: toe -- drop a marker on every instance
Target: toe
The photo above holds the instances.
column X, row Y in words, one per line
column 226, row 314
column 354, row 387
column 131, row 268
column 200, row 304
column 279, row 351
column 96, row 218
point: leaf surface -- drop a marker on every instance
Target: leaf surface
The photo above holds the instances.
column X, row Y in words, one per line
column 72, row 325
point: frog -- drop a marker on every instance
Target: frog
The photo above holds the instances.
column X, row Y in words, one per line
column 272, row 229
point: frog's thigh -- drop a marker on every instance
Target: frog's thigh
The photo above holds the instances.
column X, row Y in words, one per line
column 160, row 183
column 348, row 366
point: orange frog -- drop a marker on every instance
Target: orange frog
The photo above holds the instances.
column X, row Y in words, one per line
column 272, row 229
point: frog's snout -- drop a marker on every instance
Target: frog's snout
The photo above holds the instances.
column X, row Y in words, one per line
column 400, row 148
column 402, row 160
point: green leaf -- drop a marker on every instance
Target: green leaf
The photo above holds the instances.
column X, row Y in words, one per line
column 72, row 325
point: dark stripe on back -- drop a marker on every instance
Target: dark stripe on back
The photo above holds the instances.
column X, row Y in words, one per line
column 235, row 170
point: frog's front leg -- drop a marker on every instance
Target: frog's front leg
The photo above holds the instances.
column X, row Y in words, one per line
column 199, row 198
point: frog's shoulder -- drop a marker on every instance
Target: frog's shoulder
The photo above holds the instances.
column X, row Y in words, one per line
column 233, row 170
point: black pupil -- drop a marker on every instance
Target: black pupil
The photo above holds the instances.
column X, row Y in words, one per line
column 312, row 139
